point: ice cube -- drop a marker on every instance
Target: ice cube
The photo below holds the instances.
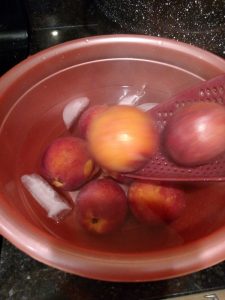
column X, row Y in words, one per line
column 73, row 195
column 124, row 187
column 73, row 109
column 132, row 99
column 146, row 106
column 54, row 204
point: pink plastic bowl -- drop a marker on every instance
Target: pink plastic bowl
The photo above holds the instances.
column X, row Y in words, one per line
column 32, row 97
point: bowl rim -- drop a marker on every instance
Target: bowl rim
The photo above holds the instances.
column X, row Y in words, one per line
column 164, row 264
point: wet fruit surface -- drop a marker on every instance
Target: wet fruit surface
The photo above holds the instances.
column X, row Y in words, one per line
column 122, row 138
column 66, row 163
column 101, row 206
column 195, row 134
column 152, row 203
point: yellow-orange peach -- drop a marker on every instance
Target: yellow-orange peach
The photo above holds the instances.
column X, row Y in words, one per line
column 122, row 138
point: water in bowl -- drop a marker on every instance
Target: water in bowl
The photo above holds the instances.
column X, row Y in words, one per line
column 205, row 203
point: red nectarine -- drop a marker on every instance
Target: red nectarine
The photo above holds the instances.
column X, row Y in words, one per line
column 155, row 203
column 88, row 116
column 101, row 206
column 66, row 163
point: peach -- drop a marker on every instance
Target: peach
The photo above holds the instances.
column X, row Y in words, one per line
column 122, row 138
column 87, row 116
column 101, row 206
column 66, row 163
column 153, row 203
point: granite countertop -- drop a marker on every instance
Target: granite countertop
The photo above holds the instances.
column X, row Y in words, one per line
column 196, row 22
column 23, row 278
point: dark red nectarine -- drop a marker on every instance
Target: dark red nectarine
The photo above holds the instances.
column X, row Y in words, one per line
column 101, row 206
column 66, row 163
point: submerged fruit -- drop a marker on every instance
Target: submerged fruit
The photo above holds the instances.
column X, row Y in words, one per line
column 154, row 203
column 88, row 116
column 66, row 163
column 101, row 206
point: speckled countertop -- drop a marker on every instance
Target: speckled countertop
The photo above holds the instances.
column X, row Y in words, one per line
column 23, row 278
column 199, row 22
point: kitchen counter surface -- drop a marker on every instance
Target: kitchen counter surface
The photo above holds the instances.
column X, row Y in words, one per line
column 23, row 278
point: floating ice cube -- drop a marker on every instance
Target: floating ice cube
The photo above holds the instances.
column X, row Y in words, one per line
column 132, row 99
column 73, row 195
column 146, row 106
column 124, row 187
column 73, row 109
column 53, row 203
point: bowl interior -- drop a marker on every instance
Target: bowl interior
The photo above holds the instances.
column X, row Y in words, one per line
column 31, row 117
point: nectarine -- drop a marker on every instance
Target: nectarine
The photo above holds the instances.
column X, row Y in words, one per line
column 66, row 163
column 88, row 116
column 101, row 206
column 154, row 203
